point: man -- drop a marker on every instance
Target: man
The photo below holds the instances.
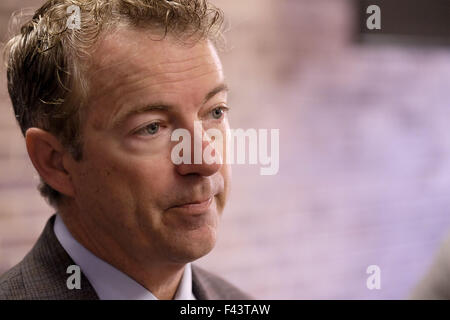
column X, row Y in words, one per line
column 98, row 87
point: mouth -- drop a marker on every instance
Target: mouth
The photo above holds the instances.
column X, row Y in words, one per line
column 194, row 208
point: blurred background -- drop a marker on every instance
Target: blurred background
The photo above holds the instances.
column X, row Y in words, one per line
column 364, row 173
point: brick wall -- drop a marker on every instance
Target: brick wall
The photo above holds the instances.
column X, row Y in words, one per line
column 364, row 160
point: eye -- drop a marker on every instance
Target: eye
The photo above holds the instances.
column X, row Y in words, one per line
column 150, row 129
column 218, row 112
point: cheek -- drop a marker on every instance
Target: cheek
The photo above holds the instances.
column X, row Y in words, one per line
column 100, row 179
column 150, row 181
column 147, row 181
column 225, row 172
column 136, row 179
column 100, row 184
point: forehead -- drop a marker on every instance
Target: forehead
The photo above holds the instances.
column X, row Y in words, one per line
column 130, row 65
column 140, row 47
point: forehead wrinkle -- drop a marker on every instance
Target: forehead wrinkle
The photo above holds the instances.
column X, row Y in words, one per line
column 185, row 70
column 127, row 86
column 168, row 73
column 201, row 57
column 124, row 74
column 120, row 62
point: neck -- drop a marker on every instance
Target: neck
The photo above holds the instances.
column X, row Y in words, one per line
column 160, row 277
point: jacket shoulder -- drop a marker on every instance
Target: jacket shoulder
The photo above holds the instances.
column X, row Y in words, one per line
column 42, row 274
column 208, row 286
column 11, row 284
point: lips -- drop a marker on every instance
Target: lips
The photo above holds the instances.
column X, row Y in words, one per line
column 194, row 207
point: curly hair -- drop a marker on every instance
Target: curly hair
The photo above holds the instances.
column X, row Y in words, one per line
column 47, row 60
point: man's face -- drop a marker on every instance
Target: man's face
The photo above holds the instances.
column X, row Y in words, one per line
column 127, row 187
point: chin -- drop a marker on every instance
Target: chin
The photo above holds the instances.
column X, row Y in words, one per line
column 193, row 245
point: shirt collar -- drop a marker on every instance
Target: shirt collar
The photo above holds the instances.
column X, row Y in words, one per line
column 108, row 282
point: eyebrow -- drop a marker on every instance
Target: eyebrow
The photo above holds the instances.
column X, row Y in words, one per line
column 220, row 88
column 161, row 107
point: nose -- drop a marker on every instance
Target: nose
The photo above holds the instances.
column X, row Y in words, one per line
column 198, row 165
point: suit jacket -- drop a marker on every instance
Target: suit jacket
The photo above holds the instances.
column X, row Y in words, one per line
column 42, row 275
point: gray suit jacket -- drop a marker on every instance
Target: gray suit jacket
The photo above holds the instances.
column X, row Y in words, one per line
column 42, row 275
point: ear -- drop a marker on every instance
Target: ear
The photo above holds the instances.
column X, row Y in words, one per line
column 47, row 154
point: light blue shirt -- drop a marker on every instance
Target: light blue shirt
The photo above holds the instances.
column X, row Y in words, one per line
column 108, row 282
